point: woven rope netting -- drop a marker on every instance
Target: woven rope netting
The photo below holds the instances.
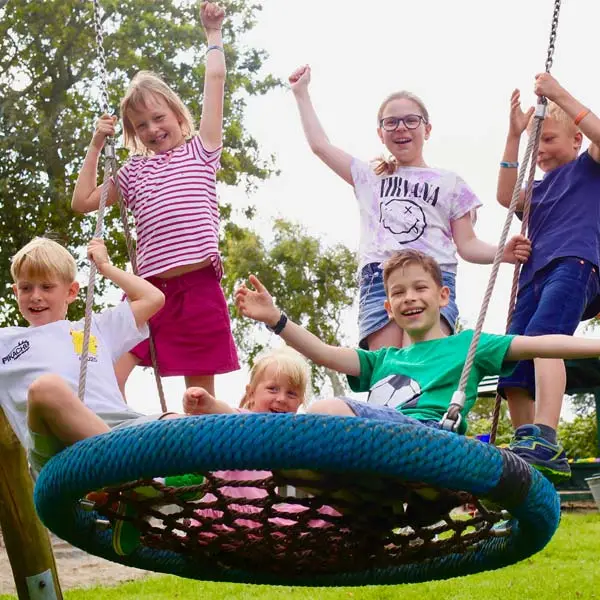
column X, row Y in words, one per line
column 346, row 525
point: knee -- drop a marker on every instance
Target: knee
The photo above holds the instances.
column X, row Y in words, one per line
column 330, row 406
column 47, row 391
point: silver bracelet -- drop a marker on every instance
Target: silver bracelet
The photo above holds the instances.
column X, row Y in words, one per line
column 214, row 47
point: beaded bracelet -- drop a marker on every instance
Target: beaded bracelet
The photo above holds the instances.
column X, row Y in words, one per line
column 509, row 165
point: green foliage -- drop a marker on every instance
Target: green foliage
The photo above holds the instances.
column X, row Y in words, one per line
column 49, row 89
column 580, row 436
column 312, row 283
column 480, row 420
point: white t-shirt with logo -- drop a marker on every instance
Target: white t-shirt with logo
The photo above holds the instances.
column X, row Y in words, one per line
column 412, row 208
column 26, row 353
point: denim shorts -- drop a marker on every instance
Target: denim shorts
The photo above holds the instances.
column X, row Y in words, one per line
column 372, row 315
column 364, row 410
column 552, row 303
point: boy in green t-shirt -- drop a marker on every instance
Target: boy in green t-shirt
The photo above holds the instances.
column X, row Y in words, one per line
column 414, row 383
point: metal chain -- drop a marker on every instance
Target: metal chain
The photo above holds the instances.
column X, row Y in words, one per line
column 110, row 170
column 451, row 420
column 553, row 31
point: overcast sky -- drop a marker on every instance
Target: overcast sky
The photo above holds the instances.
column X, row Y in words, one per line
column 463, row 58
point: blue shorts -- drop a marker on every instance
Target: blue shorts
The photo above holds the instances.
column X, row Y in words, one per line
column 364, row 410
column 553, row 302
column 372, row 315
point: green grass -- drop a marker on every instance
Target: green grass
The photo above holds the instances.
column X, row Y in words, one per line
column 569, row 568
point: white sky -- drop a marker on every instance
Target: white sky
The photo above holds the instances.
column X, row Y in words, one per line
column 463, row 58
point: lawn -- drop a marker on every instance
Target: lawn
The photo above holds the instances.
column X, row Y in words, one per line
column 569, row 568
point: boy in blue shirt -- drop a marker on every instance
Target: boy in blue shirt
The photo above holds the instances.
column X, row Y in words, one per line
column 559, row 285
column 422, row 376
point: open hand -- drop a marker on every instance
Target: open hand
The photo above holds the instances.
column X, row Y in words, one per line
column 257, row 303
column 517, row 249
column 518, row 119
column 211, row 16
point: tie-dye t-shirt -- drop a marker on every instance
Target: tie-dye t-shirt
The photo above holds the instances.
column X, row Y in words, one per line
column 412, row 208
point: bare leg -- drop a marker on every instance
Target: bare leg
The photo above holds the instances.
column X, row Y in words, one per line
column 54, row 409
column 390, row 335
column 550, row 384
column 123, row 368
column 520, row 406
column 204, row 381
column 331, row 406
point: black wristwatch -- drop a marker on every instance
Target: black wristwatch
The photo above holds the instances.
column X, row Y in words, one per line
column 280, row 325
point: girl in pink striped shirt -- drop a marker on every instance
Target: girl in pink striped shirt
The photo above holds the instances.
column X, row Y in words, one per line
column 170, row 186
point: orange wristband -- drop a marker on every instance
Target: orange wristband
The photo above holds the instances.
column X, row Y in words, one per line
column 582, row 115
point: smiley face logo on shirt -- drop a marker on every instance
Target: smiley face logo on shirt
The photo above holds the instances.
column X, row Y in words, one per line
column 404, row 218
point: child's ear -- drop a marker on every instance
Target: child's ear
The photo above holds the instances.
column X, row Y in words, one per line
column 248, row 396
column 444, row 295
column 15, row 289
column 388, row 308
column 578, row 141
column 427, row 131
column 73, row 291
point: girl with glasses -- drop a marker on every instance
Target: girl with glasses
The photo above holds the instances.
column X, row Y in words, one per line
column 403, row 203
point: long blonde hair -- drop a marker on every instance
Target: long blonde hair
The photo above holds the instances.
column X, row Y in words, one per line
column 144, row 85
column 288, row 363
column 381, row 165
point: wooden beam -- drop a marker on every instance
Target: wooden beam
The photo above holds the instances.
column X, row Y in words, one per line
column 27, row 541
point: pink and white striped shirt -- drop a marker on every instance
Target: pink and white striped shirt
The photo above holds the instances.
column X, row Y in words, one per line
column 174, row 201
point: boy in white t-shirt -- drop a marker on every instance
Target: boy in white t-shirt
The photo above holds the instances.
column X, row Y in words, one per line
column 40, row 364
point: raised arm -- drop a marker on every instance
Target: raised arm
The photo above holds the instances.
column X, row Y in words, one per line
column 552, row 346
column 211, row 122
column 474, row 250
column 145, row 299
column 258, row 304
column 87, row 192
column 507, row 177
column 587, row 121
column 336, row 159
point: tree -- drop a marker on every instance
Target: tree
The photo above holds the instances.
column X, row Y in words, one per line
column 312, row 283
column 49, row 78
column 480, row 420
column 579, row 437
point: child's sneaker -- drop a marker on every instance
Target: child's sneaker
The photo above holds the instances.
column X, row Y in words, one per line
column 548, row 458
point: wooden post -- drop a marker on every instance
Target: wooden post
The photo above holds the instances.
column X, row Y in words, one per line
column 27, row 541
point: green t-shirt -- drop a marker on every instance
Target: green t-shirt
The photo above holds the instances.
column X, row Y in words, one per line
column 419, row 380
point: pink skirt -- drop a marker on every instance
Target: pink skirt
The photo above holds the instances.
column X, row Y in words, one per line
column 192, row 332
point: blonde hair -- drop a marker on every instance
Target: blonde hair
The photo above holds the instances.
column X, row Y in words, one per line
column 381, row 165
column 404, row 258
column 555, row 113
column 43, row 258
column 143, row 86
column 288, row 363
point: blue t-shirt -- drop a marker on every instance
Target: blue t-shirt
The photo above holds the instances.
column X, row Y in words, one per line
column 565, row 216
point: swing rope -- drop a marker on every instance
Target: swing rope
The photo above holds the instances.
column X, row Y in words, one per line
column 110, row 170
column 452, row 418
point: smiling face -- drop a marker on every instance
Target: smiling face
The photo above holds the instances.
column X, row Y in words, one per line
column 44, row 300
column 274, row 392
column 414, row 301
column 405, row 145
column 156, row 125
column 559, row 144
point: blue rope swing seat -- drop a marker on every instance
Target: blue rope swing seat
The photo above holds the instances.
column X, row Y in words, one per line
column 394, row 490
